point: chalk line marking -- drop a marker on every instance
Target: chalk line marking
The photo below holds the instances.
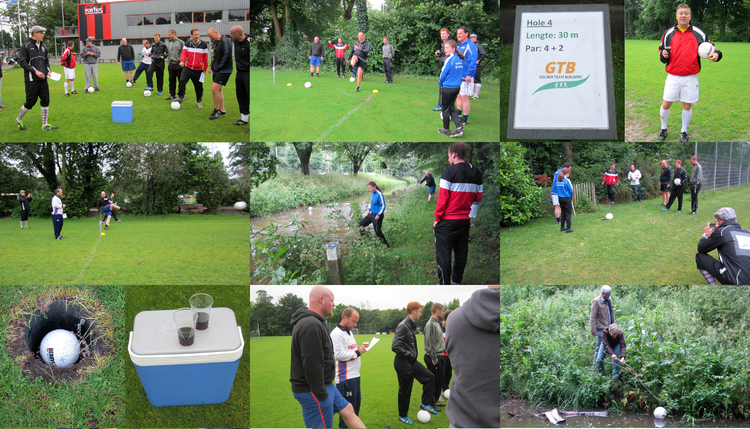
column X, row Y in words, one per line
column 86, row 264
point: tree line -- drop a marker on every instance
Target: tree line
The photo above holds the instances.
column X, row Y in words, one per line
column 275, row 319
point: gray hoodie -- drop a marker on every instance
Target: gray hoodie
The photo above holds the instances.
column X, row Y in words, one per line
column 472, row 337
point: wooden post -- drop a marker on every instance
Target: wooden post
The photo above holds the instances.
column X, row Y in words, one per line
column 335, row 270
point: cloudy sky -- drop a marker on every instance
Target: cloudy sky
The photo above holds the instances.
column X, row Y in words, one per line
column 380, row 297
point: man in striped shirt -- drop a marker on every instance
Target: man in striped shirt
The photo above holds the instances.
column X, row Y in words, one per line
column 194, row 62
column 347, row 354
column 458, row 199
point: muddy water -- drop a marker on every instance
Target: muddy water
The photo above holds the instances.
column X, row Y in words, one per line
column 331, row 216
column 525, row 418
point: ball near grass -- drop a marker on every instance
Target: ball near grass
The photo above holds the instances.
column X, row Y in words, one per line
column 375, row 91
column 128, row 85
column 423, row 416
column 147, row 93
column 90, row 90
column 308, row 84
column 660, row 413
column 351, row 79
column 447, row 394
column 609, row 216
column 175, row 105
column 240, row 205
column 60, row 348
column 288, row 84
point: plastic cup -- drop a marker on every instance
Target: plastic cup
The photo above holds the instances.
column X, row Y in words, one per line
column 185, row 320
column 201, row 303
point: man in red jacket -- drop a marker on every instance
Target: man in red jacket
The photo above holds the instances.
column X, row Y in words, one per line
column 340, row 47
column 458, row 199
column 679, row 51
column 611, row 178
column 68, row 61
column 194, row 62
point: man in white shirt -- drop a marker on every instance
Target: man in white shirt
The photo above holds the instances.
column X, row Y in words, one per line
column 57, row 213
column 346, row 353
column 635, row 182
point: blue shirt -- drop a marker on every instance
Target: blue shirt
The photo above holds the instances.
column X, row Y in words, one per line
column 450, row 77
column 377, row 203
column 554, row 180
column 564, row 189
column 469, row 49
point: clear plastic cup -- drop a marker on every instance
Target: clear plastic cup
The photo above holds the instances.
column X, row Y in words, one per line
column 185, row 320
column 201, row 303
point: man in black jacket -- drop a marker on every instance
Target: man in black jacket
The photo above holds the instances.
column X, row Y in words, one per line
column 24, row 200
column 732, row 243
column 158, row 54
column 408, row 367
column 680, row 177
column 312, row 367
column 126, row 56
column 430, row 182
column 221, row 66
column 34, row 60
column 359, row 57
column 242, row 78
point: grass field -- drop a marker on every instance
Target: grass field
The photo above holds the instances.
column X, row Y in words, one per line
column 274, row 406
column 172, row 249
column 331, row 111
column 93, row 401
column 641, row 245
column 87, row 117
column 720, row 115
column 231, row 414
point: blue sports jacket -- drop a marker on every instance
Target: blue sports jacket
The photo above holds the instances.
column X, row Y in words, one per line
column 469, row 49
column 450, row 77
column 564, row 189
column 377, row 203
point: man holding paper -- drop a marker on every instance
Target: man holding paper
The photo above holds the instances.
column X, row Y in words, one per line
column 347, row 353
column 194, row 61
column 34, row 60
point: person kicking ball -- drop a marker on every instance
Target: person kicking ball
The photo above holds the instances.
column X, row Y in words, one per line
column 359, row 57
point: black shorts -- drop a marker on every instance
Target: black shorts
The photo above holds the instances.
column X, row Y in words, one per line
column 37, row 90
column 222, row 78
column 362, row 64
column 664, row 187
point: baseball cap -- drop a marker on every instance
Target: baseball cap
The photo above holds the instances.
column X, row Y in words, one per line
column 725, row 213
column 89, row 39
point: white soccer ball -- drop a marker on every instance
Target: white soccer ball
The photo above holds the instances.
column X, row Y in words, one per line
column 447, row 394
column 128, row 84
column 176, row 105
column 147, row 93
column 609, row 216
column 351, row 79
column 308, row 84
column 240, row 205
column 705, row 49
column 60, row 348
column 677, row 181
column 90, row 90
column 660, row 413
column 423, row 416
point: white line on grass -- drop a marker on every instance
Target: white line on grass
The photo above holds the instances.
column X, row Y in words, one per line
column 338, row 123
column 86, row 265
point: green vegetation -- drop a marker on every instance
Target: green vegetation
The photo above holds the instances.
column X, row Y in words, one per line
column 233, row 412
column 641, row 245
column 331, row 111
column 290, row 189
column 87, row 117
column 683, row 342
column 274, row 406
column 170, row 249
column 94, row 400
column 519, row 196
column 716, row 114
column 720, row 21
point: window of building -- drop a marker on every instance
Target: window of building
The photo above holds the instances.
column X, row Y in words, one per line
column 148, row 19
column 163, row 19
column 213, row 16
column 239, row 14
column 198, row 17
column 135, row 20
column 183, row 17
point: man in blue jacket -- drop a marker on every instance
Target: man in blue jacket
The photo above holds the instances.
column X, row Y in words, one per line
column 469, row 50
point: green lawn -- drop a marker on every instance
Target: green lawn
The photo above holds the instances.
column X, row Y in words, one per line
column 93, row 401
column 720, row 115
column 274, row 406
column 641, row 245
column 172, row 249
column 331, row 111
column 87, row 117
column 231, row 414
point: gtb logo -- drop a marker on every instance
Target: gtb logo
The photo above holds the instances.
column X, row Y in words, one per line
column 570, row 68
column 94, row 10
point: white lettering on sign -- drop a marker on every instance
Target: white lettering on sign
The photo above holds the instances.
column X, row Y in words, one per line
column 94, row 10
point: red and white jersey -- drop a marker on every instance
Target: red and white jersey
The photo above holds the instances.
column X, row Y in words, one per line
column 345, row 354
column 68, row 59
column 195, row 57
column 460, row 187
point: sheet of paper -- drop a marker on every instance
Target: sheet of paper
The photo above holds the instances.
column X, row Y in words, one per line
column 372, row 343
column 203, row 77
column 54, row 76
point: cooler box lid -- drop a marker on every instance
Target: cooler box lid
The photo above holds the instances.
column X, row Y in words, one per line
column 154, row 339
column 122, row 104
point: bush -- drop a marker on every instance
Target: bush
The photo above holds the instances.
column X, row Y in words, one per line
column 520, row 197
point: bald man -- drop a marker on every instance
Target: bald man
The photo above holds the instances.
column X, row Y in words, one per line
column 359, row 57
column 242, row 77
column 221, row 66
column 312, row 367
column 126, row 56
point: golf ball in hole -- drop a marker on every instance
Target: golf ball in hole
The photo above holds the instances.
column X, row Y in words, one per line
column 60, row 348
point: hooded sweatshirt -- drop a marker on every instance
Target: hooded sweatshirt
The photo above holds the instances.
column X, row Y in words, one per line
column 473, row 342
column 313, row 366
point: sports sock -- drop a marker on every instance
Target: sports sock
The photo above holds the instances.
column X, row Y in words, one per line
column 22, row 113
column 664, row 115
column 45, row 113
column 21, row 224
column 466, row 118
column 72, row 86
column 245, row 118
column 25, row 223
column 477, row 88
column 459, row 112
column 65, row 85
column 686, row 116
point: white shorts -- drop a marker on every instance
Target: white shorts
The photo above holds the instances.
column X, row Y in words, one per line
column 467, row 88
column 555, row 200
column 681, row 88
column 69, row 73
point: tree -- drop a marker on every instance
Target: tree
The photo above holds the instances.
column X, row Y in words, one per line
column 354, row 152
column 454, row 304
column 363, row 21
column 259, row 161
column 205, row 174
column 426, row 314
column 304, row 151
column 288, row 305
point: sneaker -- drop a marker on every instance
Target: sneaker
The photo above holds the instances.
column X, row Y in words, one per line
column 67, row 95
column 59, row 238
column 474, row 97
column 406, row 420
column 96, row 89
column 200, row 106
column 684, row 137
column 357, row 89
column 148, row 88
column 222, row 113
column 437, row 108
column 118, row 221
column 214, row 115
column 679, row 211
column 444, row 131
column 694, row 212
column 20, row 124
column 568, row 231
column 170, row 98
column 106, row 227
column 663, row 205
column 562, row 230
column 458, row 133
column 665, row 209
column 179, row 100
column 26, row 227
column 462, row 123
column 74, row 92
column 663, row 134
column 428, row 408
column 159, row 92
column 48, row 127
column 239, row 122
column 441, row 398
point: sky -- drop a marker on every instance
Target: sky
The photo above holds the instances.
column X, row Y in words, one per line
column 379, row 297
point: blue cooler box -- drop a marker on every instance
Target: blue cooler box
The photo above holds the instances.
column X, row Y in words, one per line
column 172, row 374
column 122, row 111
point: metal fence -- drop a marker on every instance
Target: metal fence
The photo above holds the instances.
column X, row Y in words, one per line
column 725, row 165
